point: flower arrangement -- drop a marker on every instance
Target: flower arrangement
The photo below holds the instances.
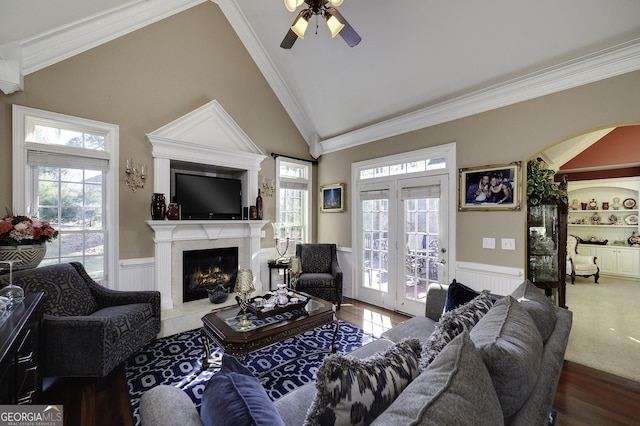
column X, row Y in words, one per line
column 18, row 229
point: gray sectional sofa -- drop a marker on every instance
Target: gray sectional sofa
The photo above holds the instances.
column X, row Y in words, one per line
column 500, row 368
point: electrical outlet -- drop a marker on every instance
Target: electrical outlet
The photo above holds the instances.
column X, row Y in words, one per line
column 263, row 234
column 508, row 243
column 488, row 243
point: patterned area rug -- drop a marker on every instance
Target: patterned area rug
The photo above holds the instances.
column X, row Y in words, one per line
column 175, row 360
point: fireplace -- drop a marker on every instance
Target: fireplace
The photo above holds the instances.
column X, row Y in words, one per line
column 206, row 269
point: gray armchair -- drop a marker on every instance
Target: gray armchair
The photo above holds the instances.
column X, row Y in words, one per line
column 88, row 329
column 321, row 275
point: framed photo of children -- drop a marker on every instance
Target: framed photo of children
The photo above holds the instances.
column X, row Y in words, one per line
column 495, row 187
column 332, row 198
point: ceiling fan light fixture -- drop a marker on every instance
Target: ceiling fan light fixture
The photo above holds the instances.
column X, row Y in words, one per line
column 334, row 25
column 300, row 24
column 292, row 5
column 335, row 2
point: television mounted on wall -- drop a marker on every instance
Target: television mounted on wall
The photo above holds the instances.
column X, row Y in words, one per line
column 203, row 197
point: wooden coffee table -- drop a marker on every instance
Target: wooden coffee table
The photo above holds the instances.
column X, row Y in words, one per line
column 219, row 325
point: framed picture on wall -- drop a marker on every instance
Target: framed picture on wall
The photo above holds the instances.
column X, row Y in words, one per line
column 332, row 198
column 495, row 187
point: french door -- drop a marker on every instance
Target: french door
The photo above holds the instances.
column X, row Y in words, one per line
column 404, row 241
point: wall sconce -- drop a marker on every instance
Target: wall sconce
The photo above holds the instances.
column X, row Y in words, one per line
column 268, row 187
column 135, row 175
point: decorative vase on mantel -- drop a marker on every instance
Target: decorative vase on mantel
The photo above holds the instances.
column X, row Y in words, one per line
column 26, row 256
column 259, row 211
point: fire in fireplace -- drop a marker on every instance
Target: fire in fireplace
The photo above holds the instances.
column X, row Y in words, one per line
column 206, row 269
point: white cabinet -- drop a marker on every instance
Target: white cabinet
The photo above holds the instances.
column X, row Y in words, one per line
column 620, row 261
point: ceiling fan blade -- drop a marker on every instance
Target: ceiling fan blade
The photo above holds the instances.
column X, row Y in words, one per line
column 348, row 33
column 289, row 39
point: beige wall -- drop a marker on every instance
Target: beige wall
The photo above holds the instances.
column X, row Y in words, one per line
column 152, row 76
column 508, row 134
column 146, row 79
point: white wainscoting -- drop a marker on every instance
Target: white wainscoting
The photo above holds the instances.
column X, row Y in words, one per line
column 136, row 274
column 345, row 260
column 500, row 280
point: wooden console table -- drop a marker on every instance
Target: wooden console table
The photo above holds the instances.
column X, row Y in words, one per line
column 278, row 266
column 20, row 348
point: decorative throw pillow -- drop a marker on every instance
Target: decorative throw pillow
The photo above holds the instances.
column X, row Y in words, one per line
column 455, row 389
column 458, row 294
column 234, row 396
column 538, row 306
column 452, row 323
column 352, row 391
column 511, row 348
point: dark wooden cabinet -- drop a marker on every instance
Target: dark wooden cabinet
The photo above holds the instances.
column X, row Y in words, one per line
column 547, row 247
column 20, row 348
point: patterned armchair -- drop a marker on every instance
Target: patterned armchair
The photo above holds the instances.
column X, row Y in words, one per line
column 580, row 264
column 88, row 329
column 321, row 275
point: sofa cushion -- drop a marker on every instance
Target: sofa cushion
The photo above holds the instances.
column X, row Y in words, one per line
column 419, row 327
column 353, row 391
column 455, row 389
column 458, row 294
column 234, row 396
column 511, row 348
column 452, row 323
column 538, row 306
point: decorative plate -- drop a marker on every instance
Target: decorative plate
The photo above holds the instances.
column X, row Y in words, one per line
column 631, row 219
column 629, row 203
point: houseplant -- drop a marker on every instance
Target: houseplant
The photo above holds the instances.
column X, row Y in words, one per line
column 23, row 239
column 540, row 184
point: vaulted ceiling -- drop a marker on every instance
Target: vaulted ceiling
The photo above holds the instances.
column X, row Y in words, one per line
column 420, row 62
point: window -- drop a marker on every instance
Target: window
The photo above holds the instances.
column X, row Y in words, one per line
column 65, row 173
column 293, row 209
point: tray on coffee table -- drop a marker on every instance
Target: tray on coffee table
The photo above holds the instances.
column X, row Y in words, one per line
column 264, row 312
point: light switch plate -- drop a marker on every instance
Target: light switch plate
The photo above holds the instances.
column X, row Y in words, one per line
column 508, row 243
column 488, row 243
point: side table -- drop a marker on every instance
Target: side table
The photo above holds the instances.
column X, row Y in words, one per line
column 279, row 266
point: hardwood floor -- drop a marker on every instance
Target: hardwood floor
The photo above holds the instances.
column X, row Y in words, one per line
column 584, row 396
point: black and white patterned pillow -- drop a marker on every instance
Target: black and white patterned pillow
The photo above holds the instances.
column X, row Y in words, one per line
column 452, row 323
column 352, row 391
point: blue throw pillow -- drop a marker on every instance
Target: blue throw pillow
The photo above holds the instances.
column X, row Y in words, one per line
column 458, row 294
column 234, row 397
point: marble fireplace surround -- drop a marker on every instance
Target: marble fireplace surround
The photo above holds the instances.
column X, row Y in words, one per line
column 206, row 140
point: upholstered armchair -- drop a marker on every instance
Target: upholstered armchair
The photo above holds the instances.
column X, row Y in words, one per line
column 88, row 329
column 580, row 264
column 321, row 275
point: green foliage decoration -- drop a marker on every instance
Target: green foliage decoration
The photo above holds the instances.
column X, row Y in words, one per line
column 540, row 184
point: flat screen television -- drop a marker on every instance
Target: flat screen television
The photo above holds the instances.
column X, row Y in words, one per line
column 208, row 197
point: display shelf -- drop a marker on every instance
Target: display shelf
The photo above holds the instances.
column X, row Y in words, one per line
column 617, row 257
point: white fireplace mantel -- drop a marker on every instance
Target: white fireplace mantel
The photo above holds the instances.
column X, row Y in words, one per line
column 208, row 137
column 169, row 231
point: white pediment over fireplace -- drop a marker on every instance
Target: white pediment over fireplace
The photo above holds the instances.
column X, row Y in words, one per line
column 206, row 135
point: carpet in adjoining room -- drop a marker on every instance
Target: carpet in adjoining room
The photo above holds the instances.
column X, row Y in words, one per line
column 174, row 360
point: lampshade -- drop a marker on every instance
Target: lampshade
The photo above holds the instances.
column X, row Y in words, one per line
column 334, row 2
column 295, row 265
column 334, row 25
column 292, row 5
column 300, row 24
column 244, row 281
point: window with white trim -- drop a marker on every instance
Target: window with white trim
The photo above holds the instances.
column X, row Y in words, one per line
column 293, row 206
column 65, row 172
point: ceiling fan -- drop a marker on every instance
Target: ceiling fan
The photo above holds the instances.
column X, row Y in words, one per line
column 325, row 9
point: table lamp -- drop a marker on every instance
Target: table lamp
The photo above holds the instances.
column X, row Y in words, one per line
column 295, row 269
column 244, row 286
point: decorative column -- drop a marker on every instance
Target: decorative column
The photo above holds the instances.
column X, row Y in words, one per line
column 162, row 269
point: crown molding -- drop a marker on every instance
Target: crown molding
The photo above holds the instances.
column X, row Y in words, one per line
column 54, row 46
column 606, row 63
